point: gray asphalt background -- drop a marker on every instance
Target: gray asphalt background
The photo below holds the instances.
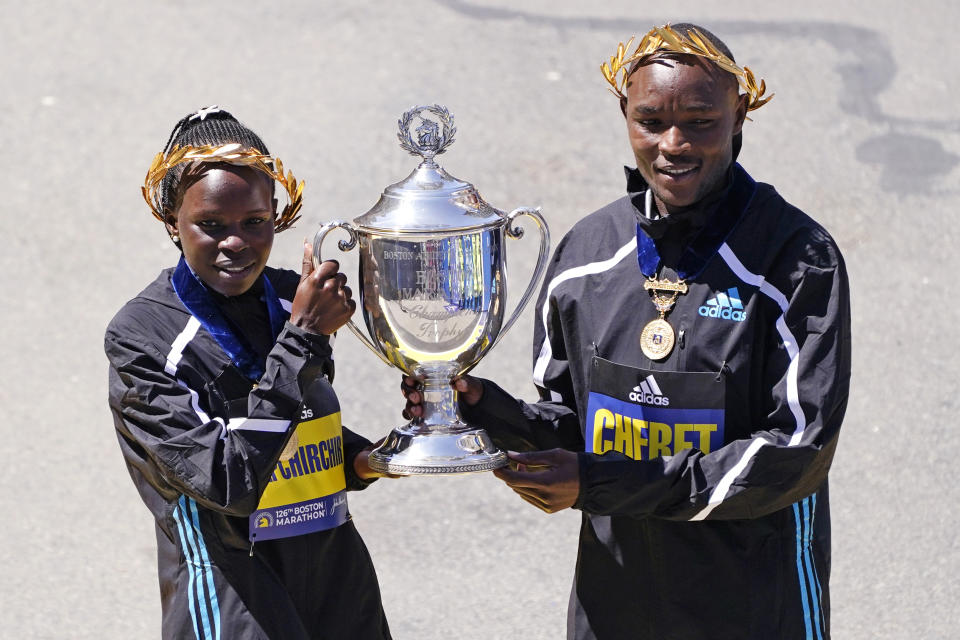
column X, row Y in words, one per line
column 863, row 134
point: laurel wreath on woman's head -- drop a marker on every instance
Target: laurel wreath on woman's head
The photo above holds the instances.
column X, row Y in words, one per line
column 235, row 154
column 666, row 38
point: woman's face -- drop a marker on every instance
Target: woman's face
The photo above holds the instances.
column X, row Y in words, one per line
column 225, row 223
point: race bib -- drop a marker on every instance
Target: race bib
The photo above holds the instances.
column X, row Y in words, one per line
column 652, row 414
column 307, row 491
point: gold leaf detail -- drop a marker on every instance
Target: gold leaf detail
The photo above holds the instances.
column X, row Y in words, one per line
column 666, row 38
column 233, row 153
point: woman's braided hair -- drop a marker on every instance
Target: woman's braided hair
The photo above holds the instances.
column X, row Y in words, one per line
column 208, row 126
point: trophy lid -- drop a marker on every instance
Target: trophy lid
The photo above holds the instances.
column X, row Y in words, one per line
column 429, row 199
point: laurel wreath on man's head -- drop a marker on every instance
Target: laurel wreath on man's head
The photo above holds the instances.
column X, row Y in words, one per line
column 235, row 154
column 666, row 38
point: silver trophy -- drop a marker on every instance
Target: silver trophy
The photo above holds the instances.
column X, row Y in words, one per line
column 433, row 292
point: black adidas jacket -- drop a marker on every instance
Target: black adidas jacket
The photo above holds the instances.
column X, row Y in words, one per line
column 734, row 543
column 201, row 442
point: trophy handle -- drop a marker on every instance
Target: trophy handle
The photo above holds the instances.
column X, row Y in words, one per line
column 343, row 245
column 517, row 232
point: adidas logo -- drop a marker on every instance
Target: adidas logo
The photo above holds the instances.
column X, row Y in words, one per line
column 648, row 392
column 725, row 305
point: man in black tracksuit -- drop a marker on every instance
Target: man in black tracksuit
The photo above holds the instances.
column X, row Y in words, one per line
column 703, row 448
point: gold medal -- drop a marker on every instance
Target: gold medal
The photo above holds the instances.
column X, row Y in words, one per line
column 657, row 337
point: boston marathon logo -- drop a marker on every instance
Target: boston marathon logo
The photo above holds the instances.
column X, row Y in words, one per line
column 648, row 392
column 263, row 519
column 725, row 305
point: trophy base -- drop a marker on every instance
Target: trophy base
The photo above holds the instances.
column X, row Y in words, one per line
column 413, row 450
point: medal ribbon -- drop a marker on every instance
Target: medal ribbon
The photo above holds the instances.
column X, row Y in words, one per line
column 197, row 299
column 706, row 243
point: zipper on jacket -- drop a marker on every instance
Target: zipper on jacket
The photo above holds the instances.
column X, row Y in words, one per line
column 724, row 370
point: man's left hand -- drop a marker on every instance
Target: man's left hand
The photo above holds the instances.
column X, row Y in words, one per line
column 549, row 480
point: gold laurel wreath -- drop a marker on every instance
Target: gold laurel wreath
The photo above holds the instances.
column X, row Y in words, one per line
column 665, row 38
column 234, row 154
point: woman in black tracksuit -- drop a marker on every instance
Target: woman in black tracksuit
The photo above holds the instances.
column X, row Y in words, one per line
column 220, row 390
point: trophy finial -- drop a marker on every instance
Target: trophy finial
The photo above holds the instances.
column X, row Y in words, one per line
column 431, row 141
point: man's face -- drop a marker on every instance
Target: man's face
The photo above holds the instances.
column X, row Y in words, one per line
column 682, row 113
column 225, row 223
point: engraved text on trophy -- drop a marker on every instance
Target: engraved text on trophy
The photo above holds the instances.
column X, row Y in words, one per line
column 436, row 295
